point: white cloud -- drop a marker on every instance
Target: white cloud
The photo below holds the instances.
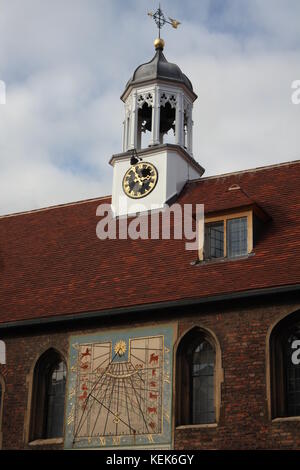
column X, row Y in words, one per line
column 66, row 62
column 244, row 116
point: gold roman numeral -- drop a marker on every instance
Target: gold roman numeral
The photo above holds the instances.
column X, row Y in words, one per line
column 71, row 416
column 167, row 379
column 116, row 440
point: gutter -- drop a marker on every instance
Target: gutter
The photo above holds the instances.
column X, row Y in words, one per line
column 254, row 293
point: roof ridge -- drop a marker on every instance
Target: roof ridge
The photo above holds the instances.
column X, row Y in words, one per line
column 56, row 206
column 86, row 201
column 259, row 168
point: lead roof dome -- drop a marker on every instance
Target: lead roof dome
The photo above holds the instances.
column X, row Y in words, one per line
column 159, row 69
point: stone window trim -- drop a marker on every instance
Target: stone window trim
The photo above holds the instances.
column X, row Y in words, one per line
column 209, row 336
column 286, row 419
column 282, row 322
column 28, row 436
column 196, row 426
column 47, row 442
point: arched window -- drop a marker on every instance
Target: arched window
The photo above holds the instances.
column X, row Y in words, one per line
column 48, row 399
column 195, row 378
column 285, row 367
column 144, row 125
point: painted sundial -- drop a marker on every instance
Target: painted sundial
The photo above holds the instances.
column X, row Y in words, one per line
column 120, row 389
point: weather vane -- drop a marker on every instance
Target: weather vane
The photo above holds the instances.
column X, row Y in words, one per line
column 161, row 20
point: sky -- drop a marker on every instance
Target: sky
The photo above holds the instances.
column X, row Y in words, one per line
column 65, row 64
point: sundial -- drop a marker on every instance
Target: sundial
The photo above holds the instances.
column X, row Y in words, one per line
column 120, row 389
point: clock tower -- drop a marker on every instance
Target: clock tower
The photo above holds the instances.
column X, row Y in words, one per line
column 157, row 157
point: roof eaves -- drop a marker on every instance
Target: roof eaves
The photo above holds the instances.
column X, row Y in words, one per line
column 246, row 294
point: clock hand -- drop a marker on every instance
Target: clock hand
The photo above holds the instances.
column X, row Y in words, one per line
column 138, row 176
column 141, row 179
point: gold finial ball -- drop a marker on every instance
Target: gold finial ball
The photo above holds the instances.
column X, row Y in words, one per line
column 159, row 43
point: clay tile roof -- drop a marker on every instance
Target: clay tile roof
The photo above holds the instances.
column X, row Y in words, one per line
column 52, row 263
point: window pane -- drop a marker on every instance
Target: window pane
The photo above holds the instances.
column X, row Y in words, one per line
column 292, row 378
column 56, row 401
column 214, row 240
column 203, row 409
column 237, row 237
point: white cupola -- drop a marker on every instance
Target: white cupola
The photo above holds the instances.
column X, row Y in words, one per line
column 157, row 158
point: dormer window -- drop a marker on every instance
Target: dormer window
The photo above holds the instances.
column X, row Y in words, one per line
column 228, row 236
column 232, row 234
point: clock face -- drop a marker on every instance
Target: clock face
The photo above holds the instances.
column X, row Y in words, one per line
column 140, row 180
column 120, row 389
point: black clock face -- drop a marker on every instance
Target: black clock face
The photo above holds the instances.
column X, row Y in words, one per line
column 140, row 180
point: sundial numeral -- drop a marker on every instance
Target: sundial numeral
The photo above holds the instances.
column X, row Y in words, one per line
column 116, row 440
column 71, row 416
column 167, row 379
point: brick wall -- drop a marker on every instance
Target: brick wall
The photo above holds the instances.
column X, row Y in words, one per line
column 241, row 330
column 244, row 419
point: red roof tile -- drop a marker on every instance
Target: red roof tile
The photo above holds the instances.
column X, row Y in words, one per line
column 52, row 263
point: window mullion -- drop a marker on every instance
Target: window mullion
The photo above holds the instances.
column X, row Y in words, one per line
column 225, row 238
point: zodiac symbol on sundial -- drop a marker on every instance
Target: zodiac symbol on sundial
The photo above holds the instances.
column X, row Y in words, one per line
column 153, row 358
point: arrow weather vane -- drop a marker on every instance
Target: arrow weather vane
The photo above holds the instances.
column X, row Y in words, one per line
column 161, row 20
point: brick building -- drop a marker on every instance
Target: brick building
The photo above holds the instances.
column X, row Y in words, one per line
column 141, row 343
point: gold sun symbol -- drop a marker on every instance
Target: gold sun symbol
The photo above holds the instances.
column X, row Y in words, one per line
column 120, row 348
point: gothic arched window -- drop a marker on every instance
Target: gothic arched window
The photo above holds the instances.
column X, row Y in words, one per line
column 48, row 399
column 195, row 378
column 285, row 367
